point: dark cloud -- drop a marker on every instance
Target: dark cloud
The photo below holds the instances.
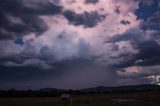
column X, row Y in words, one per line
column 149, row 2
column 64, row 58
column 117, row 10
column 152, row 23
column 155, row 19
column 77, row 73
column 148, row 49
column 19, row 18
column 149, row 74
column 91, row 1
column 155, row 35
column 28, row 53
column 148, row 55
column 132, row 34
column 20, row 73
column 46, row 54
column 87, row 19
column 125, row 22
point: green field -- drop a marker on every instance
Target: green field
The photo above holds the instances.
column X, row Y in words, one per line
column 123, row 99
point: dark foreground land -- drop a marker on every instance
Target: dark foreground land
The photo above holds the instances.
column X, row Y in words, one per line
column 147, row 98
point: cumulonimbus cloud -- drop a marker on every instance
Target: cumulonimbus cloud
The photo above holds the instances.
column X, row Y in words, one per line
column 99, row 33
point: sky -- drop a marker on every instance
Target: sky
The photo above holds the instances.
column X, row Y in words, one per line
column 74, row 44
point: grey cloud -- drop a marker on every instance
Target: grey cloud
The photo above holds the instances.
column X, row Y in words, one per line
column 142, row 72
column 148, row 48
column 153, row 35
column 117, row 10
column 64, row 56
column 29, row 62
column 149, row 2
column 87, row 19
column 65, row 48
column 147, row 74
column 134, row 81
column 148, row 55
column 155, row 19
column 91, row 1
column 125, row 22
column 46, row 54
column 29, row 57
column 19, row 18
column 18, row 54
column 84, row 71
column 132, row 34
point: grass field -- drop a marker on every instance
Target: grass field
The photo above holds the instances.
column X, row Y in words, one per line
column 126, row 99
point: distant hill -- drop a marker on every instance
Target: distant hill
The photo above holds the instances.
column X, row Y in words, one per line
column 50, row 90
column 144, row 87
column 45, row 92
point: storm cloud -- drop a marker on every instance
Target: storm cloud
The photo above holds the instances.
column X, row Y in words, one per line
column 87, row 19
column 61, row 43
column 92, row 1
column 19, row 18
